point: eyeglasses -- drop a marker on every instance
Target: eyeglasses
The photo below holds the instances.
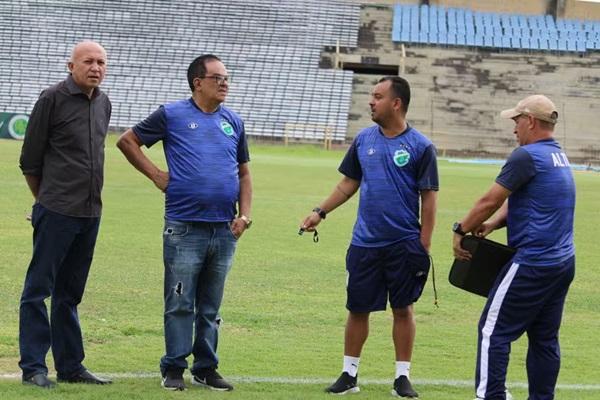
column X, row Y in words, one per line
column 219, row 79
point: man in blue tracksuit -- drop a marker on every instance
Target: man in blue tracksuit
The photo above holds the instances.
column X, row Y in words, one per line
column 529, row 294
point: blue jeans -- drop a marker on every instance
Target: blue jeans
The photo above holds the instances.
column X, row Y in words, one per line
column 197, row 258
column 63, row 248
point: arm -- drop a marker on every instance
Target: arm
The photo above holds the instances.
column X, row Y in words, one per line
column 130, row 144
column 33, row 181
column 238, row 225
column 341, row 193
column 481, row 211
column 428, row 209
column 496, row 222
column 35, row 144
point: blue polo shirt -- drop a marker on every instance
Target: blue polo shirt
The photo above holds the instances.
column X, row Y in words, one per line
column 203, row 153
column 392, row 172
column 541, row 206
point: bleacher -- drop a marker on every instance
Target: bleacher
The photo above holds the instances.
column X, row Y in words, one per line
column 271, row 48
column 436, row 25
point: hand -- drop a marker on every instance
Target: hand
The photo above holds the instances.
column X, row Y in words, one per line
column 161, row 180
column 483, row 230
column 459, row 252
column 310, row 222
column 238, row 226
column 426, row 244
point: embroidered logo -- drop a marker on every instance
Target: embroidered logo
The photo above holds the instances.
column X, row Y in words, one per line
column 192, row 125
column 226, row 128
column 401, row 157
column 371, row 151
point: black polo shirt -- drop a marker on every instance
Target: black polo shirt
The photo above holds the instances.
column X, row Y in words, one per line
column 64, row 146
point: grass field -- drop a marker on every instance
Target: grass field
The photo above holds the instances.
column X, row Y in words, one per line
column 283, row 311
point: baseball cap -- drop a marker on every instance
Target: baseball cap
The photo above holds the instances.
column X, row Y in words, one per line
column 538, row 106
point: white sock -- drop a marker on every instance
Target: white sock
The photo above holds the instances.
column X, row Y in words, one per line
column 351, row 365
column 402, row 368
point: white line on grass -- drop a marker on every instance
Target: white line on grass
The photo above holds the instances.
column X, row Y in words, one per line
column 325, row 381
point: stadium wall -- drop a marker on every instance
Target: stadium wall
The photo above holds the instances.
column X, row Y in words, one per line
column 457, row 93
column 574, row 9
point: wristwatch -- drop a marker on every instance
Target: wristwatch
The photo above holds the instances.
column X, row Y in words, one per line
column 457, row 228
column 321, row 212
column 246, row 220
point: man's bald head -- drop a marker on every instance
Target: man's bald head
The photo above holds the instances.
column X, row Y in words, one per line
column 88, row 65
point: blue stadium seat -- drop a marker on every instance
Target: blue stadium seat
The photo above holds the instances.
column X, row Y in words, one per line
column 461, row 40
column 405, row 35
column 571, row 45
column 544, row 44
column 553, row 44
column 433, row 37
column 506, row 42
column 525, row 43
column 515, row 42
column 451, row 39
column 470, row 39
column 478, row 40
column 581, row 46
column 534, row 43
column 488, row 41
column 497, row 41
column 562, row 44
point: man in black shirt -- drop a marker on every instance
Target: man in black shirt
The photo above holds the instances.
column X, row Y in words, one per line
column 63, row 160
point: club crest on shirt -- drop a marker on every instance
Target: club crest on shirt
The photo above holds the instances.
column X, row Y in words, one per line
column 371, row 151
column 226, row 128
column 401, row 157
column 192, row 125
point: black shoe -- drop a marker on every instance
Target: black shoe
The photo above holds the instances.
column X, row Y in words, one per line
column 86, row 377
column 210, row 378
column 173, row 380
column 403, row 388
column 344, row 385
column 40, row 380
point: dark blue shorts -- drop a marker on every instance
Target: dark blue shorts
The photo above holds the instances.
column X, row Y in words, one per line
column 399, row 271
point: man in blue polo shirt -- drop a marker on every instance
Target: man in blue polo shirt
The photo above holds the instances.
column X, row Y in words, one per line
column 529, row 294
column 207, row 156
column 394, row 166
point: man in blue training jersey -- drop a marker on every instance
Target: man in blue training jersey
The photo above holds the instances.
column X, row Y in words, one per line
column 394, row 166
column 529, row 294
column 207, row 156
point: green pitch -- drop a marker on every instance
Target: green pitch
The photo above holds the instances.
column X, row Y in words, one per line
column 283, row 310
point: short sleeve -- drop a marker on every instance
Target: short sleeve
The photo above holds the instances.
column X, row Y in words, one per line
column 153, row 128
column 350, row 165
column 243, row 156
column 518, row 170
column 427, row 173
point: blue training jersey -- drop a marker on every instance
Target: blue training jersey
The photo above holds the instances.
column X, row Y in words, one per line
column 392, row 172
column 541, row 206
column 203, row 153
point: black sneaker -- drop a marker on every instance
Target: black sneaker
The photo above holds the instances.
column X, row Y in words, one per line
column 403, row 388
column 210, row 378
column 344, row 385
column 173, row 380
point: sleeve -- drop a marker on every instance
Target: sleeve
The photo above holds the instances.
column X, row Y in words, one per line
column 37, row 135
column 517, row 171
column 153, row 128
column 350, row 165
column 427, row 174
column 243, row 156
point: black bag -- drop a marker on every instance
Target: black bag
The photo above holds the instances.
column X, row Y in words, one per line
column 478, row 274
